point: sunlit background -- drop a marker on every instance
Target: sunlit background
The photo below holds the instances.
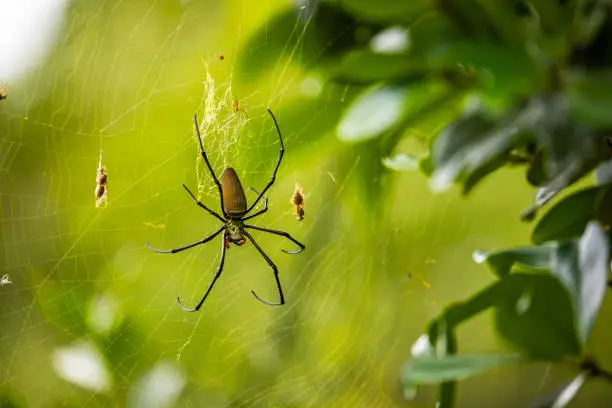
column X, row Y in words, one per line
column 89, row 316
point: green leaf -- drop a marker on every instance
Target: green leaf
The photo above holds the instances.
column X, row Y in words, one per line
column 476, row 144
column 536, row 176
column 386, row 11
column 506, row 71
column 402, row 162
column 426, row 165
column 375, row 111
column 432, row 370
column 457, row 313
column 568, row 218
column 583, row 267
column 603, row 206
column 563, row 395
column 590, row 97
column 386, row 108
column 365, row 67
column 501, row 261
column 534, row 313
column 572, row 149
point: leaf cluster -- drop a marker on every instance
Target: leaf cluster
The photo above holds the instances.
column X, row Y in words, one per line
column 489, row 83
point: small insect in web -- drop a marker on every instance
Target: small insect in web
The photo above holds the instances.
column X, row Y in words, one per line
column 235, row 212
column 3, row 90
column 238, row 108
column 5, row 280
column 101, row 192
column 297, row 201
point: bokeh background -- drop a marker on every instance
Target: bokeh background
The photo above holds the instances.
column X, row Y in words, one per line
column 90, row 318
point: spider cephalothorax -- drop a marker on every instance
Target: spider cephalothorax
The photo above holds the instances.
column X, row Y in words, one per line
column 235, row 212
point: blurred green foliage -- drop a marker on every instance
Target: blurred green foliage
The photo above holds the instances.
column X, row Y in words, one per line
column 528, row 85
column 468, row 92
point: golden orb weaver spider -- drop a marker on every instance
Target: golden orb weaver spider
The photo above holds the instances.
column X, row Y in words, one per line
column 235, row 210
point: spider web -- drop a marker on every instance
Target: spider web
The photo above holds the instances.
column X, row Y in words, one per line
column 90, row 318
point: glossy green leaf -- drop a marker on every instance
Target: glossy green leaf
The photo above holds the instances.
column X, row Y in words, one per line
column 502, row 261
column 402, row 162
column 583, row 266
column 564, row 395
column 534, row 314
column 431, row 370
column 568, row 218
column 590, row 97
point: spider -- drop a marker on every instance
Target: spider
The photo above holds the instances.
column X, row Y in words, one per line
column 234, row 229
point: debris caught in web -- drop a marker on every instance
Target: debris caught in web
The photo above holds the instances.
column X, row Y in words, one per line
column 5, row 280
column 297, row 200
column 101, row 191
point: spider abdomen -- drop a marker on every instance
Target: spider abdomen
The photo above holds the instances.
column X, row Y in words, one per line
column 234, row 200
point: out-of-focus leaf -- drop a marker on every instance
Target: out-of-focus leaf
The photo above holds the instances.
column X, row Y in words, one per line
column 387, row 108
column 536, row 176
column 387, row 11
column 429, row 31
column 431, row 370
column 590, row 97
column 375, row 111
column 426, row 165
column 475, row 144
column 401, row 162
column 572, row 150
column 505, row 70
column 603, row 174
column 603, row 205
column 564, row 395
column 568, row 218
column 582, row 267
column 473, row 179
column 501, row 261
column 457, row 313
column 365, row 67
column 543, row 195
column 534, row 313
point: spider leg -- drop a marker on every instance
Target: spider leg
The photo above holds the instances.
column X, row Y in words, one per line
column 211, row 212
column 274, row 268
column 212, row 173
column 263, row 210
column 212, row 283
column 200, row 242
column 280, row 157
column 282, row 234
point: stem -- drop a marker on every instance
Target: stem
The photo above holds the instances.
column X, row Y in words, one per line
column 594, row 370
